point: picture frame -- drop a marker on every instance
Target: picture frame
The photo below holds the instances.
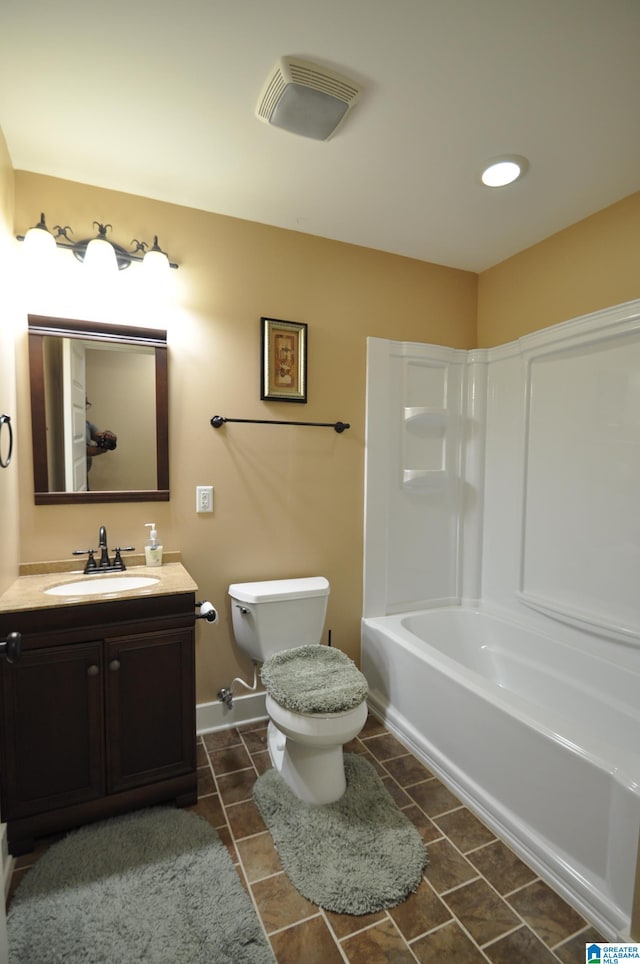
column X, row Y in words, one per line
column 283, row 370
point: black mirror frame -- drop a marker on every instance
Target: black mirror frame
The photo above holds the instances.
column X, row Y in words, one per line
column 41, row 326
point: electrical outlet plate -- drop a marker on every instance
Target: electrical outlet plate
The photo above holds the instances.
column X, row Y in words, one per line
column 204, row 498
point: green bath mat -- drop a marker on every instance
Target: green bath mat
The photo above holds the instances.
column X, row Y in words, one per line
column 157, row 886
column 356, row 856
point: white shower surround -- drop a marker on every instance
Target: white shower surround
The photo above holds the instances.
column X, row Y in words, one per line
column 507, row 480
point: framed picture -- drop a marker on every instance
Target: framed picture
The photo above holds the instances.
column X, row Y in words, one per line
column 284, row 361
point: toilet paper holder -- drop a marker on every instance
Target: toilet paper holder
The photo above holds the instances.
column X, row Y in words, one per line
column 207, row 611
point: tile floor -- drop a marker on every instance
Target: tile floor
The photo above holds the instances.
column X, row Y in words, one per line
column 477, row 902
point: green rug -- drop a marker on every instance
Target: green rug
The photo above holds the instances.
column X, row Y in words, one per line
column 157, row 886
column 356, row 856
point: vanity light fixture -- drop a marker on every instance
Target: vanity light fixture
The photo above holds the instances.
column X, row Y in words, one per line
column 99, row 250
column 503, row 170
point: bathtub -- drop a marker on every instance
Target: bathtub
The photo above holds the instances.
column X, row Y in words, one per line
column 539, row 738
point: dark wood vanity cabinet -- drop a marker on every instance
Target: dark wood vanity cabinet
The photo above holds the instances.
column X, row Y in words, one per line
column 98, row 714
column 52, row 720
column 152, row 737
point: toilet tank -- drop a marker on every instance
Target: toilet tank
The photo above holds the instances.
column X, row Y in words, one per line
column 278, row 614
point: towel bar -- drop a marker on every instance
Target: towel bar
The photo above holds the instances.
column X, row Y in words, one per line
column 218, row 420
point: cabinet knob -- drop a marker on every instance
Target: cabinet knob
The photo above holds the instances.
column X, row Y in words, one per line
column 114, row 665
column 11, row 647
column 93, row 670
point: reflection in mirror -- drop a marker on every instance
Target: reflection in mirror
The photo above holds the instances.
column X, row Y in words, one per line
column 99, row 409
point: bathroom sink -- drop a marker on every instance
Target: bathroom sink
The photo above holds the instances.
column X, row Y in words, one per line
column 101, row 585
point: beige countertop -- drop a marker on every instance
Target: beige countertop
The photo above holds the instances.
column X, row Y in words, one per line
column 29, row 590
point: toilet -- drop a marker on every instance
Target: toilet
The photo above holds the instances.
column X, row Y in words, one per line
column 316, row 697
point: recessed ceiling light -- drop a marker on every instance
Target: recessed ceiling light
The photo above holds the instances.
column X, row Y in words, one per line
column 500, row 171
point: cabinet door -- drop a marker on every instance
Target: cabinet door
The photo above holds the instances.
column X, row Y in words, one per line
column 53, row 737
column 150, row 712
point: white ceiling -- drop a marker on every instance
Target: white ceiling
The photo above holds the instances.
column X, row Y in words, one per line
column 158, row 98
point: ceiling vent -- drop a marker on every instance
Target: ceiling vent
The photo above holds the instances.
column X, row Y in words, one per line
column 306, row 99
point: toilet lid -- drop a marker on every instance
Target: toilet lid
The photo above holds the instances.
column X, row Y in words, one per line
column 314, row 679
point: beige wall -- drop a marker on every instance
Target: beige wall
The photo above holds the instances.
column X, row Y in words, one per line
column 288, row 501
column 591, row 265
column 9, row 553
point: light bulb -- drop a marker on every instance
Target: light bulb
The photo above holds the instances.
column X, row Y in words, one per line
column 155, row 261
column 100, row 257
column 39, row 243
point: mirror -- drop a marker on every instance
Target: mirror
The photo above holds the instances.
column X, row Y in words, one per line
column 99, row 412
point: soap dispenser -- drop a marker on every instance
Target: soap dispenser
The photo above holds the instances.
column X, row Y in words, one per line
column 152, row 548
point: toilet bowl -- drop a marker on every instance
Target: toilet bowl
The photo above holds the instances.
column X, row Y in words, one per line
column 307, row 749
column 316, row 697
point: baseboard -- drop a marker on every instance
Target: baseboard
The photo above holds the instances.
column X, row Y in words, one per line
column 218, row 716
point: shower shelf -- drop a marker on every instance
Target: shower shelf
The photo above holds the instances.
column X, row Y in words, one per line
column 424, row 478
column 424, row 416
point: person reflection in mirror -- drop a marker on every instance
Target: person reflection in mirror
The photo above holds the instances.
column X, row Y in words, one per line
column 98, row 442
